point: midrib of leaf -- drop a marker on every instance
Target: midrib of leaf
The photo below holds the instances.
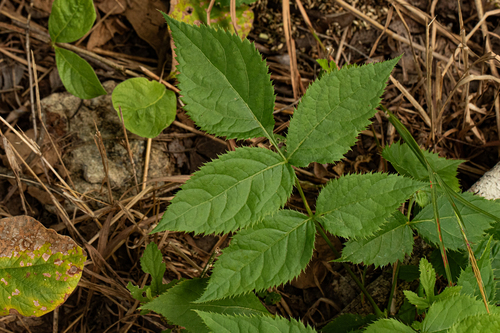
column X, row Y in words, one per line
column 71, row 65
column 67, row 22
column 270, row 137
column 143, row 107
column 321, row 121
column 230, row 187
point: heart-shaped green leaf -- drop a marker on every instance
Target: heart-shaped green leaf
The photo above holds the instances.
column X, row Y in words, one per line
column 39, row 268
column 77, row 75
column 70, row 20
column 147, row 106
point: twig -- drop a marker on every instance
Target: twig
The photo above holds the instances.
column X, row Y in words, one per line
column 146, row 163
column 28, row 59
column 129, row 151
column 209, row 10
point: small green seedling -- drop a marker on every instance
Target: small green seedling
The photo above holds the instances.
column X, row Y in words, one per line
column 227, row 91
column 69, row 21
column 39, row 269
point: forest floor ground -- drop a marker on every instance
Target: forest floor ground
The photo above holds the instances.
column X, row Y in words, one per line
column 115, row 220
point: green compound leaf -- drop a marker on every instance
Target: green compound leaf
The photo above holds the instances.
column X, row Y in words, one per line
column 475, row 224
column 147, row 106
column 195, row 12
column 232, row 192
column 224, row 82
column 77, row 75
column 444, row 314
column 70, row 20
column 362, row 202
column 468, row 280
column 222, row 323
column 484, row 323
column 379, row 248
column 39, row 269
column 273, row 252
column 388, row 326
column 177, row 305
column 406, row 163
column 333, row 111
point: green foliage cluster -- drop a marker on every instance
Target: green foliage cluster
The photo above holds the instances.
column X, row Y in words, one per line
column 227, row 91
column 147, row 106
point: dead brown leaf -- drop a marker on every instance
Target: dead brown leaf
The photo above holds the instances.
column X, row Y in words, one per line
column 104, row 32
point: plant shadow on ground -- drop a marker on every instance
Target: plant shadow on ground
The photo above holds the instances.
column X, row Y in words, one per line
column 325, row 291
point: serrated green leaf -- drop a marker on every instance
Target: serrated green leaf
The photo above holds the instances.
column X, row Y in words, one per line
column 269, row 254
column 138, row 293
column 468, row 280
column 222, row 323
column 77, row 75
column 406, row 163
column 70, row 20
column 420, row 302
column 195, row 12
column 475, row 224
column 235, row 191
column 379, row 248
column 357, row 205
column 39, row 269
column 456, row 260
column 147, row 106
column 484, row 323
column 348, row 322
column 388, row 326
column 444, row 314
column 448, row 292
column 224, row 82
column 177, row 305
column 152, row 263
column 333, row 111
column 495, row 262
column 427, row 278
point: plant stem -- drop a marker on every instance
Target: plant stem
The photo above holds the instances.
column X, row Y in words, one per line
column 319, row 228
column 394, row 283
column 302, row 195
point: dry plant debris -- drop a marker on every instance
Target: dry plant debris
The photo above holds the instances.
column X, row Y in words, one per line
column 445, row 91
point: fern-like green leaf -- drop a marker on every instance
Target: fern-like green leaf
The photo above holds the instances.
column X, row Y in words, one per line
column 269, row 254
column 222, row 323
column 224, row 82
column 468, row 280
column 232, row 192
column 177, row 305
column 379, row 248
column 475, row 224
column 357, row 205
column 388, row 326
column 406, row 163
column 444, row 314
column 333, row 111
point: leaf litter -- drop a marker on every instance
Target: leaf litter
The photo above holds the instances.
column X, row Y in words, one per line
column 349, row 35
